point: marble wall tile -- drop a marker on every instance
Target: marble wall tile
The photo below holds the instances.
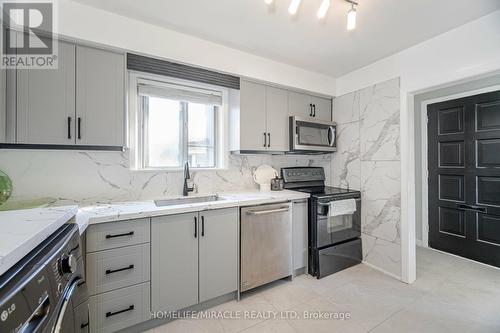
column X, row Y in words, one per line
column 92, row 177
column 368, row 155
column 380, row 122
column 382, row 254
column 346, row 161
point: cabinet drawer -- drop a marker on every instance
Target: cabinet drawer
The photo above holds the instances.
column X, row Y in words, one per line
column 115, row 310
column 117, row 268
column 110, row 235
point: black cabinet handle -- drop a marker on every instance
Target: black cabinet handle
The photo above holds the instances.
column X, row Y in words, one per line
column 265, row 140
column 69, row 128
column 120, row 235
column 111, row 271
column 202, row 226
column 472, row 207
column 109, row 314
column 79, row 128
column 195, row 227
column 314, row 110
column 310, row 110
column 269, row 141
column 84, row 325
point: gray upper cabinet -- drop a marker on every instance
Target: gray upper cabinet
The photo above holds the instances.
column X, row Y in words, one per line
column 252, row 120
column 277, row 119
column 308, row 106
column 299, row 104
column 46, row 102
column 322, row 108
column 100, row 97
column 174, row 262
column 262, row 119
column 218, row 253
column 82, row 102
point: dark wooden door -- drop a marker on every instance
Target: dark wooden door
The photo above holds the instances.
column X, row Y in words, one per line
column 464, row 177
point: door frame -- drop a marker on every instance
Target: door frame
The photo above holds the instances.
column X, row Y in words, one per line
column 424, row 166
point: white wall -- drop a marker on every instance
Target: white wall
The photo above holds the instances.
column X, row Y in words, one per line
column 87, row 23
column 470, row 50
column 465, row 52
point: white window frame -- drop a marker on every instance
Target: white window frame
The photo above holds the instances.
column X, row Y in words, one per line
column 137, row 126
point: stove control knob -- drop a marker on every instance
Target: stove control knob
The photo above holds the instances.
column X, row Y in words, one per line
column 68, row 264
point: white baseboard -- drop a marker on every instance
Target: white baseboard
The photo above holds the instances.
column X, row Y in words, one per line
column 383, row 271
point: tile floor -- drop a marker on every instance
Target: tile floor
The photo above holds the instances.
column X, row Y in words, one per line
column 450, row 295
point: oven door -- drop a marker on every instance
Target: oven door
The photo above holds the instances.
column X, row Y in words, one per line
column 333, row 230
column 312, row 135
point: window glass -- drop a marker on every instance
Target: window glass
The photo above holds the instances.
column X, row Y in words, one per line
column 201, row 132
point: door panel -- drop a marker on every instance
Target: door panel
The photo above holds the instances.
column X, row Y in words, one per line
column 277, row 118
column 218, row 253
column 174, row 262
column 322, row 108
column 46, row 101
column 464, row 177
column 100, row 102
column 299, row 105
column 253, row 132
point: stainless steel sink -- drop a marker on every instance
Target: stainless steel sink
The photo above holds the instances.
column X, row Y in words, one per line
column 185, row 201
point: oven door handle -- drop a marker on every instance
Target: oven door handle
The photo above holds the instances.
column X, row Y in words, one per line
column 66, row 299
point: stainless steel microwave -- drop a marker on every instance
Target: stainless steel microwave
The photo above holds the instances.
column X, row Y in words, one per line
column 312, row 136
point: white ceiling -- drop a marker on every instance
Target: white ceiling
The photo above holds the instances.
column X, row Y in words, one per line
column 384, row 26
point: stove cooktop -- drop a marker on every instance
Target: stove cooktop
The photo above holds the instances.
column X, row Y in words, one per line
column 326, row 191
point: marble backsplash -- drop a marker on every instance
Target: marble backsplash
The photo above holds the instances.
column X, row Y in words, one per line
column 97, row 177
column 368, row 159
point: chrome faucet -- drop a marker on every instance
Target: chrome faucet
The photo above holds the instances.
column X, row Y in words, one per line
column 188, row 182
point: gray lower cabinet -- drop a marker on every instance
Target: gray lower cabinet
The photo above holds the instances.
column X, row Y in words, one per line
column 82, row 318
column 174, row 261
column 218, row 253
column 300, row 234
column 117, row 268
column 121, row 308
column 111, row 235
column 194, row 258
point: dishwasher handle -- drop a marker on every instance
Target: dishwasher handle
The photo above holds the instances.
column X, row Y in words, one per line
column 270, row 211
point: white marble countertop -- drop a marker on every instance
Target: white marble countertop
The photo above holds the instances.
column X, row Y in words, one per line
column 23, row 230
column 137, row 209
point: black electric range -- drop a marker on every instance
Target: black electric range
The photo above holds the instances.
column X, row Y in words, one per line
column 334, row 240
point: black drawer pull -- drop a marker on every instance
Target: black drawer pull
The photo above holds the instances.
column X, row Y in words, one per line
column 120, row 235
column 84, row 325
column 109, row 314
column 472, row 207
column 111, row 271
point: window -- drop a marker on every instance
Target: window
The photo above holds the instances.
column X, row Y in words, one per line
column 179, row 124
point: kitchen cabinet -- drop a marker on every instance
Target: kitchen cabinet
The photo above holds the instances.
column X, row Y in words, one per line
column 308, row 106
column 81, row 103
column 174, row 261
column 263, row 118
column 100, row 97
column 300, row 234
column 46, row 102
column 277, row 118
column 194, row 258
column 253, row 130
column 218, row 253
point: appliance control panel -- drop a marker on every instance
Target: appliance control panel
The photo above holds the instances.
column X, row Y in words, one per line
column 303, row 174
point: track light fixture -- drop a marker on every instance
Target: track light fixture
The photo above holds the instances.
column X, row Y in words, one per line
column 351, row 15
column 323, row 10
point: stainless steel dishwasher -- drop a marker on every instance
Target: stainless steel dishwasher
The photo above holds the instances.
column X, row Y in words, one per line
column 266, row 244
